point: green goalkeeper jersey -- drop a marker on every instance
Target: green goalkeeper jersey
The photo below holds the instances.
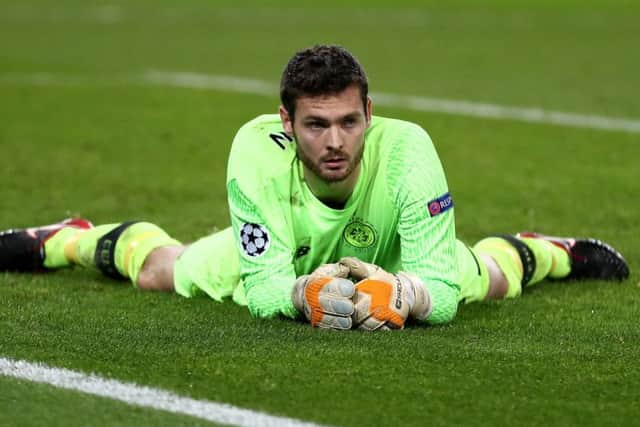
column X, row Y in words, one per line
column 399, row 216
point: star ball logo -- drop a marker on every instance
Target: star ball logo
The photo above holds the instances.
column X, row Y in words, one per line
column 254, row 239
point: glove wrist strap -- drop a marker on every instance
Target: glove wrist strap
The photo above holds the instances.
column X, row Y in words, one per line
column 297, row 293
column 418, row 297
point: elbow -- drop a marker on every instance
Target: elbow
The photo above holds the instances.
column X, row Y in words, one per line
column 442, row 315
column 444, row 300
column 258, row 311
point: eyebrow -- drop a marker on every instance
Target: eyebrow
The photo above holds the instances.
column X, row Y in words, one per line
column 312, row 118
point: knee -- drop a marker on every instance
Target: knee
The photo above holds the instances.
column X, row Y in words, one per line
column 498, row 283
column 504, row 267
column 148, row 279
column 157, row 271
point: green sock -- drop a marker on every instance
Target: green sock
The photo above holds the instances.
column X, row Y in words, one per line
column 507, row 258
column 135, row 244
column 542, row 254
column 54, row 248
column 556, row 262
column 73, row 246
column 551, row 261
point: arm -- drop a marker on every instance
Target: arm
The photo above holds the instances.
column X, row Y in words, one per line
column 425, row 288
column 268, row 275
column 267, row 272
column 426, row 226
column 257, row 185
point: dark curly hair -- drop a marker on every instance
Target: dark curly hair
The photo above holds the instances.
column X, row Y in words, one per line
column 321, row 70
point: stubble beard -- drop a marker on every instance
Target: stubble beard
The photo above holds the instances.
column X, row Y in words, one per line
column 331, row 178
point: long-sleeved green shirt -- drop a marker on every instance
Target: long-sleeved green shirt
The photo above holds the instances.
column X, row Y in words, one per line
column 400, row 215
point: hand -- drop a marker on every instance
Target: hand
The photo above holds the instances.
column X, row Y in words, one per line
column 384, row 300
column 325, row 297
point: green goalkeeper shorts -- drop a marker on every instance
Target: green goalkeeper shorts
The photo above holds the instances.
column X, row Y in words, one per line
column 211, row 266
column 473, row 276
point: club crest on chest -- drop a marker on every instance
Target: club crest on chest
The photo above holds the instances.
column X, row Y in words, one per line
column 359, row 234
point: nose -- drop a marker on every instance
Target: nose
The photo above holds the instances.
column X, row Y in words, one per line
column 334, row 138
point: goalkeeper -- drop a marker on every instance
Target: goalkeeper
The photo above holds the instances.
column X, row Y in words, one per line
column 339, row 217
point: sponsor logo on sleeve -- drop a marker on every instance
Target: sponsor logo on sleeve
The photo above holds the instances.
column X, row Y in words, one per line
column 254, row 239
column 440, row 205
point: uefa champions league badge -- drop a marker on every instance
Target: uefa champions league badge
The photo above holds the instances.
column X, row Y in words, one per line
column 254, row 239
column 440, row 205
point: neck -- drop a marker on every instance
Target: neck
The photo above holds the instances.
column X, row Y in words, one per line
column 332, row 194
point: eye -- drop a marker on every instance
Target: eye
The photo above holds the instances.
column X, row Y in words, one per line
column 349, row 122
column 315, row 125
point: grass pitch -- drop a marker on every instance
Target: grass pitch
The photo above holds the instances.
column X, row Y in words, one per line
column 95, row 142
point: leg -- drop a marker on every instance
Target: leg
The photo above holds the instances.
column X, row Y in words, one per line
column 498, row 284
column 507, row 264
column 118, row 250
column 157, row 271
column 23, row 250
column 139, row 251
column 210, row 266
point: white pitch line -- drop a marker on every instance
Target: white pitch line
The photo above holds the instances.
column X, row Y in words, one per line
column 416, row 103
column 134, row 394
column 211, row 81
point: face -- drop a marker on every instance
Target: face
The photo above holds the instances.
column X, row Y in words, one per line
column 329, row 132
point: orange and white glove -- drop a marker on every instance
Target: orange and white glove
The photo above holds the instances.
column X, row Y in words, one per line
column 384, row 300
column 325, row 297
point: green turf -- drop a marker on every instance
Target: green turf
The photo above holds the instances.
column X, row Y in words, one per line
column 112, row 150
column 48, row 406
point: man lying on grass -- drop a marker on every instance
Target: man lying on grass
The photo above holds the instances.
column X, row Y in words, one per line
column 338, row 216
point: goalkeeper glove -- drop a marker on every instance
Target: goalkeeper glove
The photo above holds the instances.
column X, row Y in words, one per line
column 325, row 297
column 384, row 300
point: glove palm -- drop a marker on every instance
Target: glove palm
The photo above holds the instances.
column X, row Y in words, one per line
column 384, row 300
column 325, row 297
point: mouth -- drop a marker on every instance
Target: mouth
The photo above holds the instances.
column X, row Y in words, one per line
column 335, row 162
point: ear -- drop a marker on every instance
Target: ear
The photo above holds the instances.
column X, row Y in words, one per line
column 287, row 124
column 369, row 110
